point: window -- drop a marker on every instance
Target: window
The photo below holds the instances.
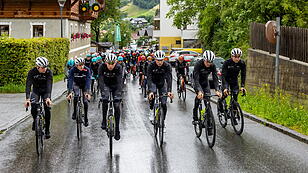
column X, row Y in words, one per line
column 4, row 30
column 38, row 30
column 177, row 41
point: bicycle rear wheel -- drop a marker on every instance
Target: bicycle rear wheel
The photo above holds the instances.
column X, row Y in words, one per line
column 210, row 128
column 222, row 115
column 156, row 120
column 237, row 119
column 39, row 136
column 198, row 126
column 161, row 127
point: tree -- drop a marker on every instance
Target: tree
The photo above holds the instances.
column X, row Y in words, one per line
column 111, row 11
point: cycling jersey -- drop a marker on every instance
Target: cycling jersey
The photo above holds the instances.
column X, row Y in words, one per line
column 94, row 68
column 159, row 75
column 42, row 82
column 87, row 62
column 201, row 73
column 180, row 67
column 81, row 78
column 110, row 78
column 230, row 72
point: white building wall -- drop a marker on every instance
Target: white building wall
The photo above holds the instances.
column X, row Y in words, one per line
column 168, row 30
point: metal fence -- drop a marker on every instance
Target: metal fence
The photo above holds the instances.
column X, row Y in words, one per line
column 293, row 41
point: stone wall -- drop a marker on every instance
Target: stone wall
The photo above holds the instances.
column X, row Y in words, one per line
column 261, row 69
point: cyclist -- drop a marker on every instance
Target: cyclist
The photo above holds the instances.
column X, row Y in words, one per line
column 159, row 76
column 230, row 71
column 40, row 79
column 180, row 67
column 94, row 67
column 79, row 78
column 70, row 64
column 124, row 73
column 110, row 80
column 140, row 69
column 202, row 69
column 88, row 60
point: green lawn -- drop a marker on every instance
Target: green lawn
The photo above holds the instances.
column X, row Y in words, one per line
column 134, row 11
column 277, row 108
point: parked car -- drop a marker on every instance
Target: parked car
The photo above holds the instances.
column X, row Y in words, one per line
column 218, row 61
column 188, row 56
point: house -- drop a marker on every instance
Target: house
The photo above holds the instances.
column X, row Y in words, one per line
column 42, row 18
column 170, row 37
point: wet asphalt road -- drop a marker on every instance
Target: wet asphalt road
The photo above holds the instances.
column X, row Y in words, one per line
column 258, row 149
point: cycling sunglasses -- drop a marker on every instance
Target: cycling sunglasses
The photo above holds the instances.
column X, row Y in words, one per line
column 111, row 62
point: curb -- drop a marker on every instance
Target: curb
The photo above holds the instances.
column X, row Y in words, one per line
column 12, row 125
column 277, row 127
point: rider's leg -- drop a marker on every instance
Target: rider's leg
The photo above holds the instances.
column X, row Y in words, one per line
column 47, row 117
column 105, row 96
column 86, row 105
column 34, row 98
column 163, row 91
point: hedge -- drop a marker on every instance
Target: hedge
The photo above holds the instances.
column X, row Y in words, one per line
column 17, row 57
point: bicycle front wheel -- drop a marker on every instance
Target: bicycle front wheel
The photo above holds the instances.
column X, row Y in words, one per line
column 78, row 122
column 39, row 136
column 222, row 115
column 161, row 127
column 237, row 119
column 111, row 132
column 210, row 128
column 156, row 120
column 198, row 126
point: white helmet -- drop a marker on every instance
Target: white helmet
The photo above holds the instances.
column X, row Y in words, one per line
column 236, row 51
column 208, row 56
column 79, row 61
column 110, row 57
column 41, row 62
column 159, row 55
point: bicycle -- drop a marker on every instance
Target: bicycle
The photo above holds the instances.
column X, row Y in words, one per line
column 110, row 122
column 159, row 117
column 233, row 112
column 79, row 115
column 39, row 127
column 95, row 91
column 182, row 88
column 206, row 120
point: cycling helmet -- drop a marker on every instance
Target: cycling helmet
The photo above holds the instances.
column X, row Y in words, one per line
column 159, row 55
column 181, row 57
column 236, row 51
column 110, row 57
column 208, row 56
column 98, row 58
column 120, row 58
column 41, row 62
column 143, row 58
column 79, row 61
column 71, row 62
column 94, row 59
column 150, row 58
column 89, row 55
column 93, row 55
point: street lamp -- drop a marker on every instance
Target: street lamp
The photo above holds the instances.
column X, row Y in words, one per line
column 61, row 4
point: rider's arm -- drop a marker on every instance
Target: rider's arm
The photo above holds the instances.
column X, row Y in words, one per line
column 88, row 80
column 101, row 77
column 150, row 77
column 215, row 77
column 196, row 75
column 223, row 76
column 243, row 74
column 119, row 75
column 70, row 80
column 169, row 78
column 29, row 83
column 49, row 83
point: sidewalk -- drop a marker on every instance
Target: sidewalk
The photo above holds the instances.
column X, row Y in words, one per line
column 12, row 108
